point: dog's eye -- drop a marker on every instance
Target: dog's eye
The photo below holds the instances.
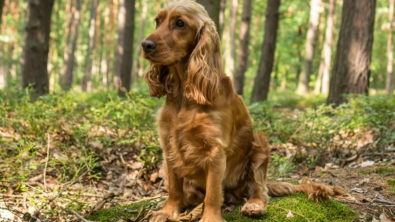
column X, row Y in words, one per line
column 157, row 22
column 180, row 24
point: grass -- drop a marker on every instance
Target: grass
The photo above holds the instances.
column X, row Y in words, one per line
column 384, row 170
column 300, row 206
column 391, row 185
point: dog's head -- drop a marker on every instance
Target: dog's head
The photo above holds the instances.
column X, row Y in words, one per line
column 184, row 34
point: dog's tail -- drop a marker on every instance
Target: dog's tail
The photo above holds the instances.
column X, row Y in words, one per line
column 316, row 192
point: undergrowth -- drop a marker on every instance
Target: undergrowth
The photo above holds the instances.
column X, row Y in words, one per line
column 83, row 125
column 72, row 125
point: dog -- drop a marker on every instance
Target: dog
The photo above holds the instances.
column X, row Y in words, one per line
column 211, row 154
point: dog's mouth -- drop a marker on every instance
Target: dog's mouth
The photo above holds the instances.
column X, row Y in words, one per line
column 163, row 60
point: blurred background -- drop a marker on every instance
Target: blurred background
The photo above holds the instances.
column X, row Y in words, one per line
column 89, row 39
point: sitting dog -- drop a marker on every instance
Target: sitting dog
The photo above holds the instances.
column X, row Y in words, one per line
column 210, row 152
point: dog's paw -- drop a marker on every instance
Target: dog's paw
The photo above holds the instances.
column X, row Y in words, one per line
column 254, row 207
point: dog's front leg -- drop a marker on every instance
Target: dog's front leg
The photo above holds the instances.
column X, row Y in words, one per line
column 174, row 202
column 214, row 175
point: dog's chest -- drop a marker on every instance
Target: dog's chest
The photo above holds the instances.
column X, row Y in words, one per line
column 189, row 138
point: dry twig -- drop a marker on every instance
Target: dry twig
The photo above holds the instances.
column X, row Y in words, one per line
column 60, row 192
column 292, row 212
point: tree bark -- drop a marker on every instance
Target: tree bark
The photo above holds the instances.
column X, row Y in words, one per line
column 389, row 86
column 232, row 32
column 304, row 78
column 36, row 46
column 127, row 58
column 121, row 31
column 325, row 66
column 262, row 79
column 222, row 8
column 351, row 70
column 1, row 10
column 68, row 74
column 137, row 53
column 86, row 82
column 213, row 9
column 243, row 47
column 69, row 19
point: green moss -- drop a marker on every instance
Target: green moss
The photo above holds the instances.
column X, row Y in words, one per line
column 391, row 185
column 116, row 213
column 321, row 174
column 298, row 204
column 384, row 170
column 277, row 211
column 364, row 172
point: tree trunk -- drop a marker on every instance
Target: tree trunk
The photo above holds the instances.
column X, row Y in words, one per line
column 351, row 70
column 121, row 31
column 1, row 10
column 221, row 17
column 36, row 46
column 86, row 82
column 389, row 83
column 325, row 66
column 127, row 58
column 104, row 42
column 243, row 48
column 136, row 55
column 213, row 9
column 262, row 79
column 68, row 75
column 69, row 19
column 304, row 78
column 232, row 32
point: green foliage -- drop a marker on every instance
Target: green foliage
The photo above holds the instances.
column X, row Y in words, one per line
column 384, row 170
column 72, row 126
column 324, row 128
column 391, row 185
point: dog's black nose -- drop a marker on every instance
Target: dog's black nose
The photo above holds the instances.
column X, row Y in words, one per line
column 148, row 45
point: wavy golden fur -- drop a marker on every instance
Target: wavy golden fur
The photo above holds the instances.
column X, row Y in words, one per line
column 210, row 152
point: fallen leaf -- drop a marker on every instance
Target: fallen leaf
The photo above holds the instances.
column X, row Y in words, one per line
column 367, row 163
column 384, row 218
column 154, row 176
column 290, row 214
column 195, row 213
column 358, row 190
column 137, row 165
column 318, row 169
column 228, row 209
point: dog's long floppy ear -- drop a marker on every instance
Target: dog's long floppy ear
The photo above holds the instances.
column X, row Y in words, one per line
column 157, row 80
column 205, row 66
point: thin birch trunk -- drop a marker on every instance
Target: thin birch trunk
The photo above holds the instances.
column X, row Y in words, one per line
column 304, row 78
column 137, row 52
column 121, row 30
column 322, row 85
column 389, row 83
column 87, row 81
column 68, row 75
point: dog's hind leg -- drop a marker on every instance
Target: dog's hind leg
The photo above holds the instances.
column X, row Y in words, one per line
column 257, row 176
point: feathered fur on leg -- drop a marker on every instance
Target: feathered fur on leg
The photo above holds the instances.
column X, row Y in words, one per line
column 257, row 204
column 316, row 192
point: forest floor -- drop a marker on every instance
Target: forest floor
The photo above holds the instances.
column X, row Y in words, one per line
column 98, row 159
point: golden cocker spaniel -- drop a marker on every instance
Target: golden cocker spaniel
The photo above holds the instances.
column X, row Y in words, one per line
column 210, row 152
